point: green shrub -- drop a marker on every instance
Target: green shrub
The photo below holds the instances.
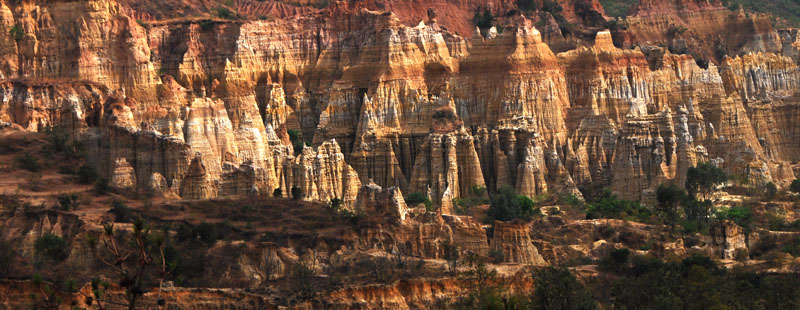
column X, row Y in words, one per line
column 335, row 204
column 616, row 261
column 609, row 205
column 17, row 33
column 28, row 162
column 528, row 5
column 297, row 193
column 669, row 198
column 770, row 190
column 451, row 255
column 101, row 187
column 297, row 142
column 122, row 213
column 52, row 247
column 206, row 24
column 742, row 216
column 497, row 256
column 483, row 18
column 795, row 186
column 225, row 13
column 277, row 193
column 414, row 199
column 87, row 174
column 68, row 202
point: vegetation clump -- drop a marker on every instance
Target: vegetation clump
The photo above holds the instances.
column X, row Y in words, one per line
column 414, row 199
column 506, row 205
column 608, row 205
column 17, row 33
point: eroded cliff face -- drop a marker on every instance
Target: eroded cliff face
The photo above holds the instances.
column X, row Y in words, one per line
column 203, row 109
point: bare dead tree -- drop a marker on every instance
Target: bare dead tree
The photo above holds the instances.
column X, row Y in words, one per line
column 130, row 262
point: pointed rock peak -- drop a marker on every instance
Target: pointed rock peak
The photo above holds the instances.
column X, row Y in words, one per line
column 197, row 167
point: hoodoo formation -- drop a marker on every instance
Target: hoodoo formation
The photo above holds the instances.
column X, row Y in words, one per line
column 272, row 138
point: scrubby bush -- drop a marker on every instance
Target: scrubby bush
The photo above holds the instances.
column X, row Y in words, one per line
column 297, row 193
column 528, row 5
column 609, row 205
column 770, row 190
column 557, row 288
column 742, row 216
column 297, row 142
column 68, row 202
column 206, row 25
column 795, row 186
column 225, row 13
column 414, row 199
column 101, row 186
column 483, row 18
column 52, row 247
column 87, row 174
column 17, row 33
column 122, row 213
column 497, row 256
column 301, row 278
column 451, row 255
column 277, row 193
column 616, row 261
column 28, row 162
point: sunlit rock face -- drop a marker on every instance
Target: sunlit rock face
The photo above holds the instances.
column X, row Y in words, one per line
column 201, row 110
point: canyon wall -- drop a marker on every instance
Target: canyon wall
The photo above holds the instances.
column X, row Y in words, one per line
column 205, row 108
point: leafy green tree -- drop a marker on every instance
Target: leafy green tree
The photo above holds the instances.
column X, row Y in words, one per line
column 702, row 291
column 703, row 179
column 451, row 255
column 557, row 289
column 608, row 205
column 697, row 212
column 669, row 198
column 506, row 205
